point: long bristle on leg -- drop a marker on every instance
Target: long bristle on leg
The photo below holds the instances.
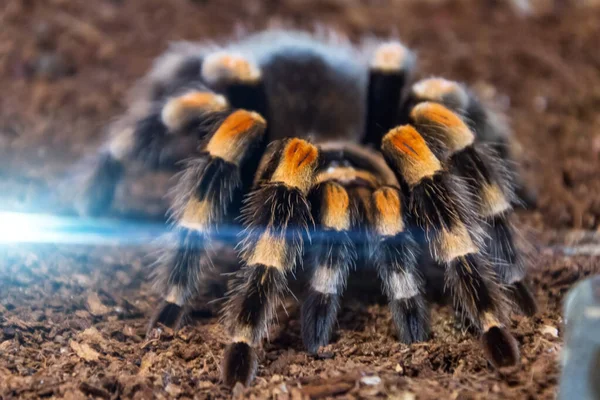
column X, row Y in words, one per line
column 394, row 252
column 204, row 195
column 331, row 258
column 490, row 187
column 276, row 218
column 390, row 70
column 439, row 207
column 509, row 264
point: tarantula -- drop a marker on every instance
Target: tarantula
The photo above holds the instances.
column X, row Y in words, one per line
column 290, row 138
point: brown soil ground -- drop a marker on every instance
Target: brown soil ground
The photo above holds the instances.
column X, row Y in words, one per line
column 72, row 318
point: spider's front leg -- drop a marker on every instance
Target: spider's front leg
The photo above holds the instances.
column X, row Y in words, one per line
column 394, row 252
column 206, row 191
column 331, row 258
column 189, row 118
column 452, row 229
column 276, row 217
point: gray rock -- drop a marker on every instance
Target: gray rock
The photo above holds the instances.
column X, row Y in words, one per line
column 581, row 355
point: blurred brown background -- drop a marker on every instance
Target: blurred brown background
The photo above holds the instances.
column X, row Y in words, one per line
column 66, row 65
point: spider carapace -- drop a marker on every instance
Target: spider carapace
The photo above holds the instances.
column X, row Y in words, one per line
column 290, row 137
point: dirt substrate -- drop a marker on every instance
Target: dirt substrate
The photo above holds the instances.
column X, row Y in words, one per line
column 72, row 318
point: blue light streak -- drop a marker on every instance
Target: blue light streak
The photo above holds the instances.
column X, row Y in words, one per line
column 18, row 227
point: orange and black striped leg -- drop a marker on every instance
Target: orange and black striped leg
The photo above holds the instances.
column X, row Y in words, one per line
column 494, row 200
column 443, row 211
column 276, row 217
column 331, row 257
column 394, row 252
column 240, row 79
column 390, row 70
column 204, row 194
column 490, row 187
column 490, row 130
column 174, row 132
column 496, row 210
column 154, row 140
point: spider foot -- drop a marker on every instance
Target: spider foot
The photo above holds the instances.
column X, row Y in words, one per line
column 501, row 348
column 168, row 314
column 240, row 363
column 319, row 313
column 411, row 318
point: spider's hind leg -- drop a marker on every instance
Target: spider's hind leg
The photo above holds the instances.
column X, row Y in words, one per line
column 238, row 77
column 176, row 106
column 153, row 130
column 170, row 132
column 490, row 187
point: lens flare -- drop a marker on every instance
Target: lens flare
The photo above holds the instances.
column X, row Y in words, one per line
column 18, row 227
